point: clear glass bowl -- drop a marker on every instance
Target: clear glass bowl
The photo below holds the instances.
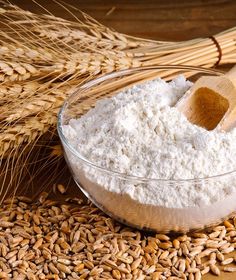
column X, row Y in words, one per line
column 91, row 178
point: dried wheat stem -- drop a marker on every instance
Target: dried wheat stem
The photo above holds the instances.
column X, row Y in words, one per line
column 40, row 54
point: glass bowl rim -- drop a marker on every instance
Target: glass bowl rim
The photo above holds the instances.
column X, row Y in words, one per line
column 114, row 74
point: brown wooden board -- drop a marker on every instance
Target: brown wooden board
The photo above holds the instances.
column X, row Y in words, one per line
column 156, row 19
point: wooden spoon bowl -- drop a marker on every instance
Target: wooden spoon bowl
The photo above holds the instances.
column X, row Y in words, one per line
column 211, row 102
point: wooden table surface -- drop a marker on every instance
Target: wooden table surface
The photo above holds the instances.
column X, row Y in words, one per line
column 156, row 19
column 162, row 20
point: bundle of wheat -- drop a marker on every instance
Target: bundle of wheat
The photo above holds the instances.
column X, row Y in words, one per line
column 43, row 58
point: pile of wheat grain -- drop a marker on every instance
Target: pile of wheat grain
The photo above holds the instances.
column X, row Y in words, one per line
column 48, row 239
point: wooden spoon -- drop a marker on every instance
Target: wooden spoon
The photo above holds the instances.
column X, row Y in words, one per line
column 211, row 102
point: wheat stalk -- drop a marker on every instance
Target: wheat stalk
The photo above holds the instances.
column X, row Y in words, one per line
column 15, row 71
column 27, row 55
column 44, row 58
column 34, row 115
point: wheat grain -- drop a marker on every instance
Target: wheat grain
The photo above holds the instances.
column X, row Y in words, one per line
column 14, row 137
column 16, row 71
column 227, row 261
column 91, row 64
column 61, row 188
column 88, row 221
column 214, row 269
column 227, row 224
column 40, row 100
column 27, row 55
column 205, row 270
column 229, row 269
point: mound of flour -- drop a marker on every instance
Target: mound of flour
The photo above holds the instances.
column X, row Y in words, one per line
column 139, row 132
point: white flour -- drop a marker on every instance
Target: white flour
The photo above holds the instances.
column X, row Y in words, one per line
column 138, row 132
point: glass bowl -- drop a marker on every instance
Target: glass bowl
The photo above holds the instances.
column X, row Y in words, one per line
column 125, row 208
